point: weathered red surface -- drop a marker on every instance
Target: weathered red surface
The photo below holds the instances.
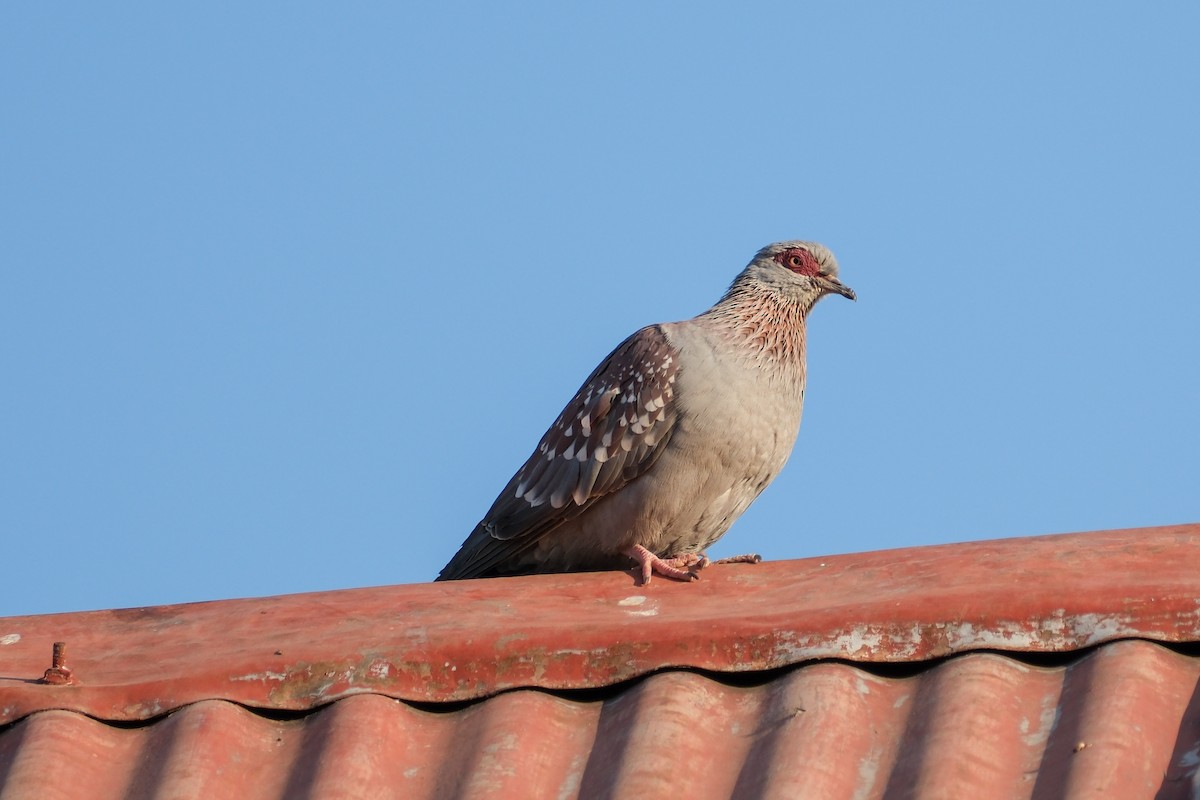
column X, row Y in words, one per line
column 1120, row 721
column 471, row 639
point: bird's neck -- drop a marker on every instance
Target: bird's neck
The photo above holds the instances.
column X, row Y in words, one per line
column 763, row 323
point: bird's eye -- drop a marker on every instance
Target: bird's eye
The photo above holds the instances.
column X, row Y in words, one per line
column 798, row 261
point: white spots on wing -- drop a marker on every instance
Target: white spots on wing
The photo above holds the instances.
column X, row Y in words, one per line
column 559, row 498
column 619, row 415
column 533, row 497
column 10, row 638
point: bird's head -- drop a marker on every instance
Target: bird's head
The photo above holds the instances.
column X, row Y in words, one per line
column 802, row 271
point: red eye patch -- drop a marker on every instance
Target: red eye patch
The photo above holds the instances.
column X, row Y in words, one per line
column 799, row 261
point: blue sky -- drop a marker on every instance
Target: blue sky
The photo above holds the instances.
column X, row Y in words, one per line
column 289, row 293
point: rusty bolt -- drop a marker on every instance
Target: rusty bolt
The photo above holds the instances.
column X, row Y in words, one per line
column 59, row 673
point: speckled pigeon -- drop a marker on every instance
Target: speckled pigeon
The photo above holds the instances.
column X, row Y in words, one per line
column 669, row 440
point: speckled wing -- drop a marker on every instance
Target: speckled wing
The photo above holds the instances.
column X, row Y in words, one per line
column 611, row 432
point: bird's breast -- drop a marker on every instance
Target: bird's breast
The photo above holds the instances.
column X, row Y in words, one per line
column 739, row 411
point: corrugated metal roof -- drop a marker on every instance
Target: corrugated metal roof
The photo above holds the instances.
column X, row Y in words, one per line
column 586, row 685
column 1121, row 722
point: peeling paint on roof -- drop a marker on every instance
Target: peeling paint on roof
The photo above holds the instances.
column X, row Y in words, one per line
column 464, row 640
column 1047, row 667
column 1119, row 721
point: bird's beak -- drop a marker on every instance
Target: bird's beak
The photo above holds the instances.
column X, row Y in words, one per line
column 837, row 287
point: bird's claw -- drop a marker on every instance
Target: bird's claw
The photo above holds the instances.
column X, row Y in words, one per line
column 684, row 567
column 676, row 567
column 745, row 558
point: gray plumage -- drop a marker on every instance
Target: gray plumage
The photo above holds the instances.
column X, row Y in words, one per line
column 669, row 440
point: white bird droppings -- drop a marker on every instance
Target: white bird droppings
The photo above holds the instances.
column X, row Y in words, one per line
column 633, row 601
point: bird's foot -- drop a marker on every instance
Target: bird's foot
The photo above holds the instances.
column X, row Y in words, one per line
column 745, row 558
column 677, row 567
column 684, row 567
column 701, row 561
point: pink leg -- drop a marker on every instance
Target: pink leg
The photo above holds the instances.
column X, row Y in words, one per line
column 748, row 558
column 700, row 561
column 667, row 567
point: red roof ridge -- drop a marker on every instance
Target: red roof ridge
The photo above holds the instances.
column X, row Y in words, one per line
column 457, row 641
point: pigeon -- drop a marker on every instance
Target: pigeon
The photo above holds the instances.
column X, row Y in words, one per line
column 669, row 440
